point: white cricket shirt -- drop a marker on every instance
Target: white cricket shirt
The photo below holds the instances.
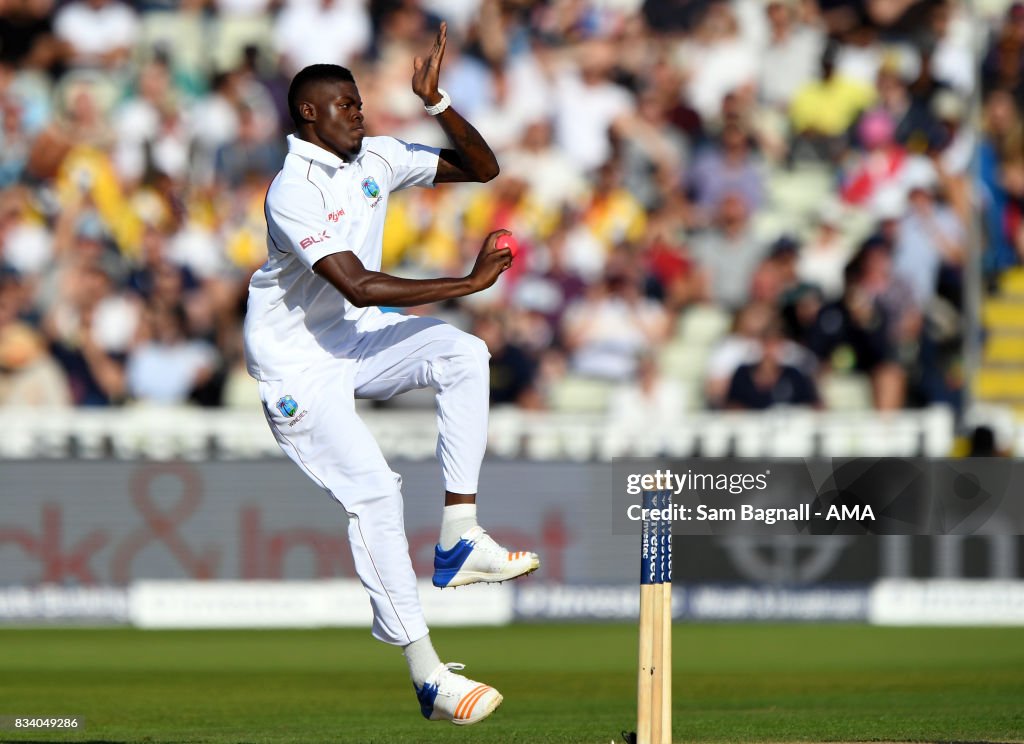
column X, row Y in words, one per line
column 318, row 205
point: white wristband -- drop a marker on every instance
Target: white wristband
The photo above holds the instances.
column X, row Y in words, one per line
column 441, row 106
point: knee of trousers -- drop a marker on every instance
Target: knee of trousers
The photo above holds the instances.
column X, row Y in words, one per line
column 468, row 355
column 377, row 494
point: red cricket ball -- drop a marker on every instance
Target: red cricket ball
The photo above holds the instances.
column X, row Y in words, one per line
column 507, row 241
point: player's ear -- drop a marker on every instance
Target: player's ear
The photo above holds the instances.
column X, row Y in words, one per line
column 307, row 110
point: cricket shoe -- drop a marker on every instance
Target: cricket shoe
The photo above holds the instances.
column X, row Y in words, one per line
column 477, row 558
column 447, row 696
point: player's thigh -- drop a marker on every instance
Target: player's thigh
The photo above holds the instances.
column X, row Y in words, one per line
column 314, row 419
column 408, row 354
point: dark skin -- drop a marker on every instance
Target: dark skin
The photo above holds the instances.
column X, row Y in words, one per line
column 333, row 120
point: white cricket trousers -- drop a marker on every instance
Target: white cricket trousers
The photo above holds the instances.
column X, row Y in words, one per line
column 330, row 443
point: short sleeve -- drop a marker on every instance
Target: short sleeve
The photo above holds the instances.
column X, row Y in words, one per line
column 409, row 164
column 297, row 223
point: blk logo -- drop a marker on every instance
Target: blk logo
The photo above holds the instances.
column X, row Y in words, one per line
column 311, row 239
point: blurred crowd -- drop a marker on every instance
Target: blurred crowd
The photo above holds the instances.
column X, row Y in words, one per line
column 796, row 173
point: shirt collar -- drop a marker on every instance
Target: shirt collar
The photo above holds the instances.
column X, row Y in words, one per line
column 309, row 151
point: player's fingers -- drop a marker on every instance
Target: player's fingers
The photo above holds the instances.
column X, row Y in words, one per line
column 503, row 253
column 491, row 240
column 417, row 63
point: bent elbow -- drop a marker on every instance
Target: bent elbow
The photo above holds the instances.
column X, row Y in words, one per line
column 357, row 300
column 490, row 173
column 354, row 294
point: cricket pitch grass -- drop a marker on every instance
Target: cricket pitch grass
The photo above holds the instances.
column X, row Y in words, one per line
column 562, row 683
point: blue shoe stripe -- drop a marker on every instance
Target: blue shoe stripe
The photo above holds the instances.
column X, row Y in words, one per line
column 426, row 695
column 448, row 562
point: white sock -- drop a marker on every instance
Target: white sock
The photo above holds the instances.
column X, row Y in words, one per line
column 456, row 520
column 422, row 659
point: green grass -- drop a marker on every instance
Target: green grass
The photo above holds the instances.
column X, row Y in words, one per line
column 562, row 683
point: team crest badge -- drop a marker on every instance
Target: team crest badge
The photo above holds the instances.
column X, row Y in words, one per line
column 287, row 406
column 370, row 188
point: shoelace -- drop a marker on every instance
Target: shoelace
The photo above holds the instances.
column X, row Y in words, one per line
column 489, row 545
column 479, row 539
column 451, row 666
column 477, row 533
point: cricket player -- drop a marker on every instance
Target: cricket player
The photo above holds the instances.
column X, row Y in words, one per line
column 315, row 339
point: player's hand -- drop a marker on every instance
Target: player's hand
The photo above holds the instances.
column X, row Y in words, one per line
column 490, row 262
column 427, row 71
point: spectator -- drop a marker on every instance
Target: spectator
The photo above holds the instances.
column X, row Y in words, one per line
column 777, row 274
column 89, row 336
column 152, row 134
column 612, row 214
column 853, row 334
column 166, row 366
column 553, row 177
column 894, row 294
column 770, row 381
column 882, row 163
column 718, row 59
column 321, row 31
column 740, row 346
column 822, row 110
column 15, row 137
column 859, row 56
column 792, row 46
column 1001, row 179
column 613, row 324
column 653, row 150
column 253, row 152
column 551, row 285
column 29, row 376
column 509, row 204
column 512, row 369
column 930, row 245
column 673, row 275
column 478, row 84
column 653, row 402
column 99, row 33
column 587, row 104
column 81, row 123
column 952, row 58
column 1003, row 66
column 728, row 254
column 917, row 130
column 25, row 245
column 743, row 346
column 214, row 123
column 728, row 168
column 825, row 254
column 799, row 311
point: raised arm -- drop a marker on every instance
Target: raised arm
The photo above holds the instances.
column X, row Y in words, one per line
column 472, row 158
column 364, row 288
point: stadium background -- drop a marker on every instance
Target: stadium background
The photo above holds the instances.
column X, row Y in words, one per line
column 784, row 228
